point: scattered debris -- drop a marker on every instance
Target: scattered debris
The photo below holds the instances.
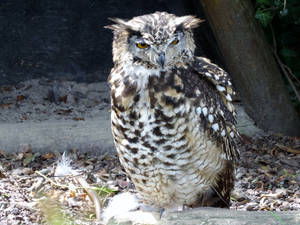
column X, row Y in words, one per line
column 43, row 188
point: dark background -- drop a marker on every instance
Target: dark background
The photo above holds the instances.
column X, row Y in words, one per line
column 65, row 40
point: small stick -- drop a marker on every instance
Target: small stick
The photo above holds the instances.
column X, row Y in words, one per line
column 51, row 181
column 93, row 195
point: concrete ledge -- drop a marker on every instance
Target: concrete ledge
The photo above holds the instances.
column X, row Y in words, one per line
column 58, row 135
column 89, row 135
column 208, row 216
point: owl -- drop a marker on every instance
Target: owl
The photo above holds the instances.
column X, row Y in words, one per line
column 172, row 117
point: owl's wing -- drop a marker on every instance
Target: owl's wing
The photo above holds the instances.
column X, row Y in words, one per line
column 222, row 121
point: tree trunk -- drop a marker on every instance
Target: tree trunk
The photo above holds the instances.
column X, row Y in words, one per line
column 251, row 64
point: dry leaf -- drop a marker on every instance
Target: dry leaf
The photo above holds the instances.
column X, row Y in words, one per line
column 48, row 156
column 63, row 99
column 7, row 105
column 288, row 149
column 78, row 118
column 72, row 194
column 20, row 98
column 2, row 175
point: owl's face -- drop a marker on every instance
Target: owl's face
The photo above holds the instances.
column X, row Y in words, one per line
column 159, row 54
column 157, row 40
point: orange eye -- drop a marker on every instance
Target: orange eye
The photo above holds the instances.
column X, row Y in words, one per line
column 175, row 42
column 142, row 45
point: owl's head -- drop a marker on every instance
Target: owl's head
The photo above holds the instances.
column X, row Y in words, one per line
column 157, row 40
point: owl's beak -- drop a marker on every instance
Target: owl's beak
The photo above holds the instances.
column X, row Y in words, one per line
column 161, row 59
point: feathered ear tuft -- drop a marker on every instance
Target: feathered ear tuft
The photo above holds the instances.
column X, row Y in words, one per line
column 119, row 24
column 188, row 22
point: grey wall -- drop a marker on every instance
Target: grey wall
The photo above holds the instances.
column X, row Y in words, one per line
column 65, row 40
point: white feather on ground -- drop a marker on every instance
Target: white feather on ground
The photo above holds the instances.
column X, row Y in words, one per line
column 64, row 167
column 121, row 204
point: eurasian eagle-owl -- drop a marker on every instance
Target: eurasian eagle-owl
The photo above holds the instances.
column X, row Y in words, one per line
column 172, row 116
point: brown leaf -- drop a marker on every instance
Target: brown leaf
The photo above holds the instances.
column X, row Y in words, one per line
column 274, row 152
column 72, row 194
column 48, row 156
column 7, row 105
column 5, row 88
column 2, row 153
column 78, row 118
column 2, row 175
column 246, row 139
column 83, row 195
column 63, row 99
column 20, row 98
column 24, row 117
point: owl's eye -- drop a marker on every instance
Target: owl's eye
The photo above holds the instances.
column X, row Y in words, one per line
column 175, row 42
column 142, row 45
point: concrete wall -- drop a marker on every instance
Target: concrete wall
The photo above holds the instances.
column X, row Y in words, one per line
column 65, row 39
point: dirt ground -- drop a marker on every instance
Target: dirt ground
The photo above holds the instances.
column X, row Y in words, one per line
column 34, row 190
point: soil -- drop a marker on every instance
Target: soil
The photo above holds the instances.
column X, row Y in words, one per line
column 35, row 187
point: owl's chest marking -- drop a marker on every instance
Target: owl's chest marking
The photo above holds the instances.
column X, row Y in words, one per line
column 160, row 141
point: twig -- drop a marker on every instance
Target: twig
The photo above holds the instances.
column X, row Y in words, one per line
column 93, row 195
column 51, row 181
column 283, row 66
column 287, row 76
column 291, row 73
column 287, row 149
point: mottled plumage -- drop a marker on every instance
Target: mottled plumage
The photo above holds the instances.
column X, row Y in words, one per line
column 172, row 116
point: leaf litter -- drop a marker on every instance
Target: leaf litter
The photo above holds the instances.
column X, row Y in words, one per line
column 43, row 188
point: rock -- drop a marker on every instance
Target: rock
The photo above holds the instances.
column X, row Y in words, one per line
column 251, row 206
column 21, row 171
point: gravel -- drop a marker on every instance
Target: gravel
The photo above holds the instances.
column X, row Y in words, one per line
column 267, row 174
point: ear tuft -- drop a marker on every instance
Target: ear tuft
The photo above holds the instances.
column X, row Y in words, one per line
column 119, row 24
column 188, row 22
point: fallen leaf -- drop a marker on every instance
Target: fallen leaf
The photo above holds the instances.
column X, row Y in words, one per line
column 72, row 194
column 48, row 156
column 7, row 105
column 5, row 88
column 265, row 208
column 20, row 98
column 2, row 153
column 28, row 159
column 24, row 117
column 274, row 152
column 63, row 99
column 242, row 202
column 78, row 118
column 288, row 149
column 2, row 175
column 83, row 195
